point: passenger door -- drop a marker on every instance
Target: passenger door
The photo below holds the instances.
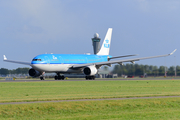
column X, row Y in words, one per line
column 47, row 60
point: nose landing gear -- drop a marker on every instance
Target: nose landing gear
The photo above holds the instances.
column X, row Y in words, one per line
column 42, row 78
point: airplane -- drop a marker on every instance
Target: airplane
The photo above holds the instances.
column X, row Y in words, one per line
column 76, row 63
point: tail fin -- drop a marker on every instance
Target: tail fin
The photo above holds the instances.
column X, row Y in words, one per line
column 106, row 43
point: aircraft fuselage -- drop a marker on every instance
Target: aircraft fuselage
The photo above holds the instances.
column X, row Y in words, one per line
column 62, row 62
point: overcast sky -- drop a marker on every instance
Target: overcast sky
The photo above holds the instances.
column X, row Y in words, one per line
column 145, row 27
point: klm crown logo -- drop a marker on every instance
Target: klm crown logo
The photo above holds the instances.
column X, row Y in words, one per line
column 106, row 45
column 54, row 57
column 107, row 41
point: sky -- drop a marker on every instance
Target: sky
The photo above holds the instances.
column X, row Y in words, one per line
column 144, row 27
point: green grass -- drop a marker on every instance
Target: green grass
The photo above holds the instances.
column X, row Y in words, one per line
column 164, row 108
column 61, row 90
column 149, row 109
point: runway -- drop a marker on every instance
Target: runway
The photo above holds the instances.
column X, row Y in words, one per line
column 89, row 100
column 82, row 79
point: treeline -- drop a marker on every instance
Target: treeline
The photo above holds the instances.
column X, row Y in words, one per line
column 150, row 70
column 4, row 71
column 127, row 69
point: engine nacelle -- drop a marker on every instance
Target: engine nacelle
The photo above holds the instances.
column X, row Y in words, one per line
column 34, row 73
column 90, row 70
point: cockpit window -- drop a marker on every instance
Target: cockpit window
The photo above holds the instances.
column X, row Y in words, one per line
column 37, row 60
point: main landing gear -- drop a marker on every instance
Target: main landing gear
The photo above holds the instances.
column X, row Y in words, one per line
column 90, row 77
column 59, row 77
column 42, row 78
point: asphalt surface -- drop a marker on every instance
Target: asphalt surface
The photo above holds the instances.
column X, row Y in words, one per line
column 88, row 100
column 83, row 79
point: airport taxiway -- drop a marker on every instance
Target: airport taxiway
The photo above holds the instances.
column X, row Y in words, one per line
column 82, row 79
column 89, row 100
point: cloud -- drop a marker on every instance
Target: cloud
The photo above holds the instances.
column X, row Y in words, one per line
column 42, row 20
column 41, row 17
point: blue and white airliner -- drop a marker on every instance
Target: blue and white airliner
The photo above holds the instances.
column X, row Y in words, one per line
column 76, row 63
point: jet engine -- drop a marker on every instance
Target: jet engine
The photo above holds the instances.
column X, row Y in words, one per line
column 34, row 73
column 90, row 70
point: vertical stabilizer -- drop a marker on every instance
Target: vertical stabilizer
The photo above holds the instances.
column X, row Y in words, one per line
column 106, row 43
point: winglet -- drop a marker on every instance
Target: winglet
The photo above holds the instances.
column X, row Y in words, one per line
column 4, row 57
column 173, row 52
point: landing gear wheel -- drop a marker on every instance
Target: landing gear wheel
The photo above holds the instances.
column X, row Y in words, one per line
column 62, row 77
column 59, row 77
column 55, row 77
column 90, row 77
column 42, row 78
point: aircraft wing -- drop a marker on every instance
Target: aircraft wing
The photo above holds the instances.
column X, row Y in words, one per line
column 19, row 62
column 119, row 61
column 121, row 56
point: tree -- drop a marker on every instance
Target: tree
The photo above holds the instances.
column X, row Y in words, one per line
column 161, row 70
column 4, row 71
column 171, row 71
column 139, row 71
column 106, row 68
column 178, row 70
column 136, row 69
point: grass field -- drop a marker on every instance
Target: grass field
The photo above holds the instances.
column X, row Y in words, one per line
column 61, row 90
column 140, row 109
column 165, row 108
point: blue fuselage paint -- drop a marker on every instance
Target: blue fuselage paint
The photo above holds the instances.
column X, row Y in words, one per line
column 69, row 59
